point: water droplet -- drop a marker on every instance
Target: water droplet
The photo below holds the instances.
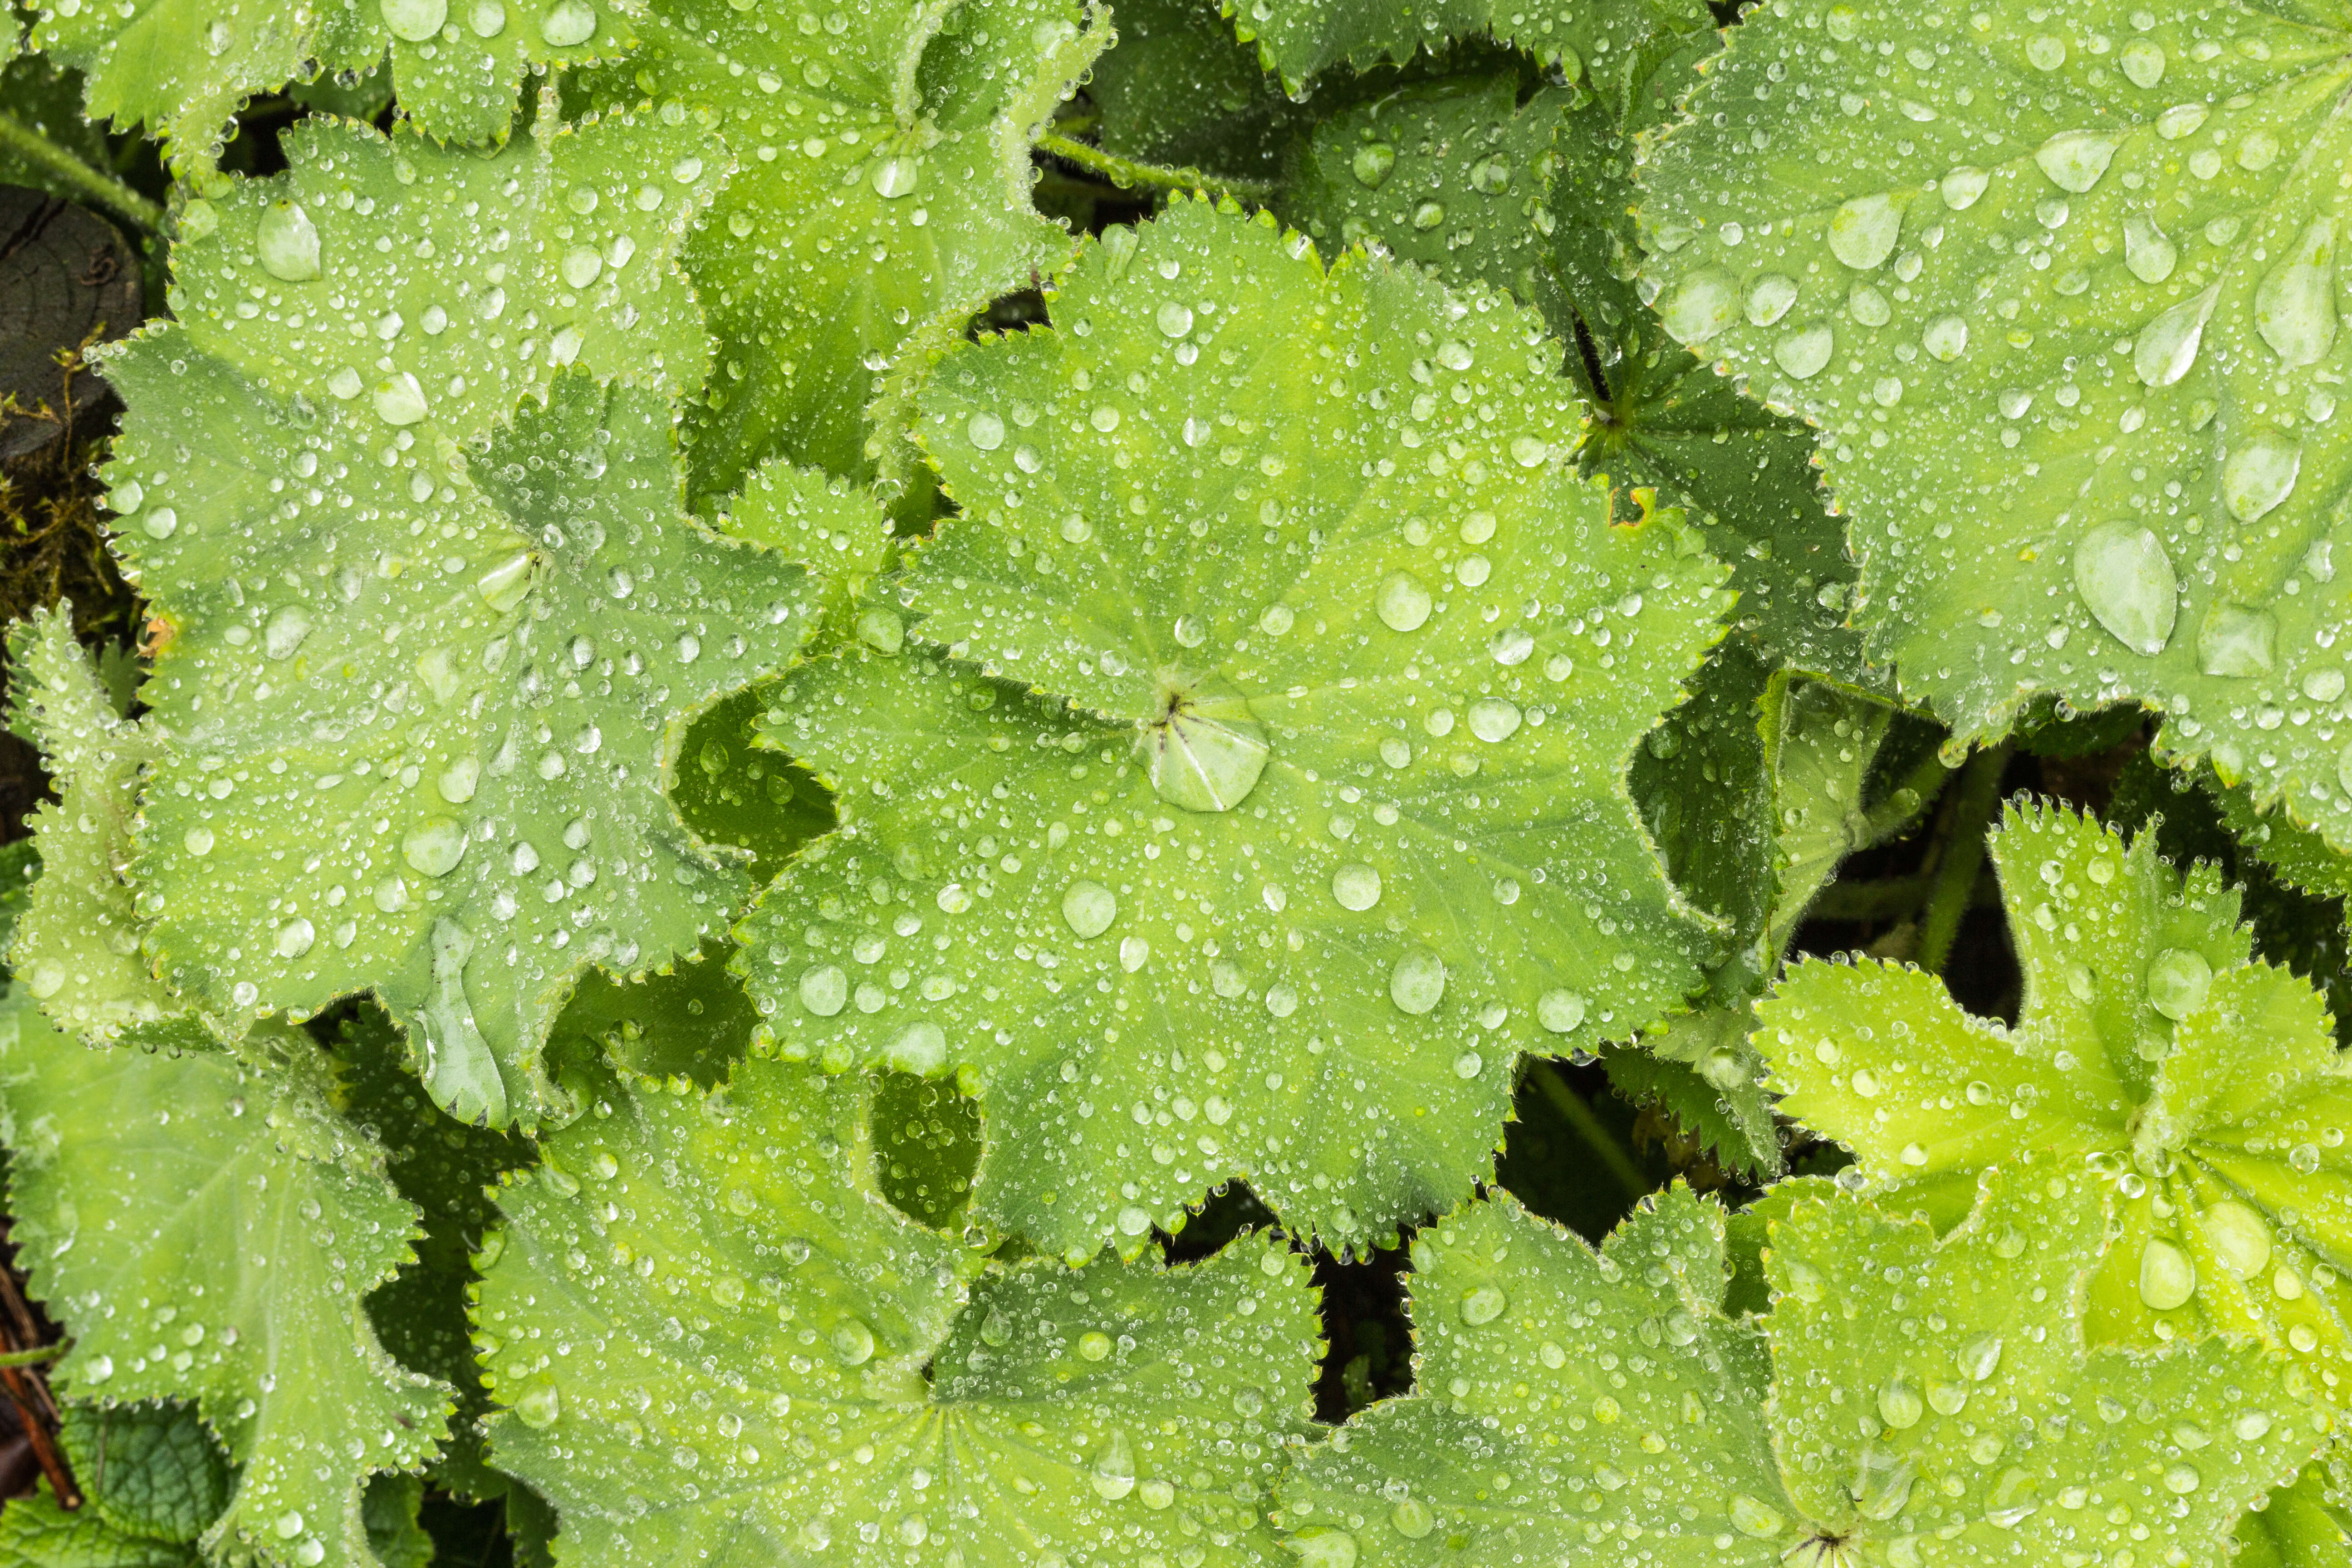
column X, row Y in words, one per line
column 1322, row 1546
column 434, row 846
column 1402, row 601
column 2258, row 474
column 1862, row 232
column 1803, row 353
column 487, row 18
column 2167, row 1276
column 2182, row 1479
column 921, row 1049
column 2126, row 580
column 1412, row 1519
column 287, row 242
column 1963, row 187
column 286, row 631
column 160, row 523
column 1560, row 1011
column 2236, row 641
column 399, row 400
column 1089, row 907
column 853, row 1342
column 1753, row 1518
column 1899, row 1404
column 1175, row 319
column 2177, row 981
column 2149, row 252
column 538, row 1406
column 1769, row 297
column 1699, row 306
column 2240, row 1240
column 1112, row 1474
column 896, row 176
column 825, row 990
column 1203, row 763
column 199, row 840
column 1372, row 162
column 1977, row 1359
column 1428, row 215
column 572, row 22
column 295, row 937
column 1484, row 1304
column 502, row 587
column 1947, row 338
column 2076, row 160
column 417, row 21
column 1191, row 631
column 2167, row 346
column 1356, row 886
column 2143, row 62
column 985, row 431
column 580, row 265
column 1494, row 720
column 1417, row 981
column 1134, row 953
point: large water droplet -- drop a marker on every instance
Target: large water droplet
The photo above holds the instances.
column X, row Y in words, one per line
column 897, row 175
column 2167, row 346
column 1412, row 1519
column 1089, row 908
column 417, row 21
column 572, row 22
column 1963, row 188
column 286, row 631
column 1356, row 886
column 295, row 937
column 1977, row 1359
column 1203, row 764
column 399, row 400
column 2294, row 305
column 1699, row 306
column 985, row 431
column 2077, row 159
column 1494, row 719
column 2167, row 1276
column 2177, row 981
column 1322, row 1546
column 1862, row 232
column 1769, row 297
column 1175, row 319
column 1947, row 338
column 1899, row 1404
column 1417, row 980
column 825, row 990
column 539, row 1404
column 921, row 1049
column 2237, row 641
column 1560, row 1011
column 2240, row 1239
column 2260, row 474
column 1112, row 1474
column 1484, row 1304
column 1752, row 1517
column 1402, row 601
column 853, row 1342
column 434, row 846
column 287, row 242
column 1372, row 162
column 2149, row 252
column 2125, row 578
column 2143, row 62
column 1803, row 353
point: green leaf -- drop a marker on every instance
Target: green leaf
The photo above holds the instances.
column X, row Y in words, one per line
column 926, row 1143
column 147, row 1469
column 690, row 1020
column 1905, row 1401
column 756, row 1322
column 883, row 181
column 1179, row 89
column 20, row 868
column 182, row 70
column 455, row 745
column 389, row 1510
column 2200, row 1085
column 729, row 792
column 2299, row 1529
column 35, row 1532
column 2060, row 305
column 1203, row 498
column 76, row 948
column 1301, row 38
column 229, row 1273
column 1452, row 173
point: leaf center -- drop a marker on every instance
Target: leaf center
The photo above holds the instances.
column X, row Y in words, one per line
column 1204, row 756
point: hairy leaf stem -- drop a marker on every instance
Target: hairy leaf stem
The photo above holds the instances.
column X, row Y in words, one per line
column 84, row 183
column 1128, row 173
column 1970, row 818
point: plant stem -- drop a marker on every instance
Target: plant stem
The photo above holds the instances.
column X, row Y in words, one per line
column 1587, row 1126
column 34, row 1357
column 1128, row 174
column 1974, row 803
column 85, row 182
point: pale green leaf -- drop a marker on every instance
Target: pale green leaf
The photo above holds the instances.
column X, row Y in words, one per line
column 2057, row 287
column 1902, row 1402
column 146, row 1470
column 450, row 749
column 181, row 69
column 1301, row 38
column 2202, row 1087
column 2301, row 1527
column 1452, row 173
column 1406, row 646
column 76, row 948
column 229, row 1272
column 883, row 181
column 35, row 1532
column 754, row 1322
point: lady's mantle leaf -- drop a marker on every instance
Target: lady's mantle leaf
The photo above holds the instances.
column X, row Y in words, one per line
column 1922, row 1402
column 744, row 1317
column 76, row 948
column 1303, row 37
column 2059, row 289
column 205, row 1226
column 426, row 666
column 35, row 1532
column 883, row 179
column 147, row 1469
column 181, row 68
column 2203, row 1087
column 1341, row 826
